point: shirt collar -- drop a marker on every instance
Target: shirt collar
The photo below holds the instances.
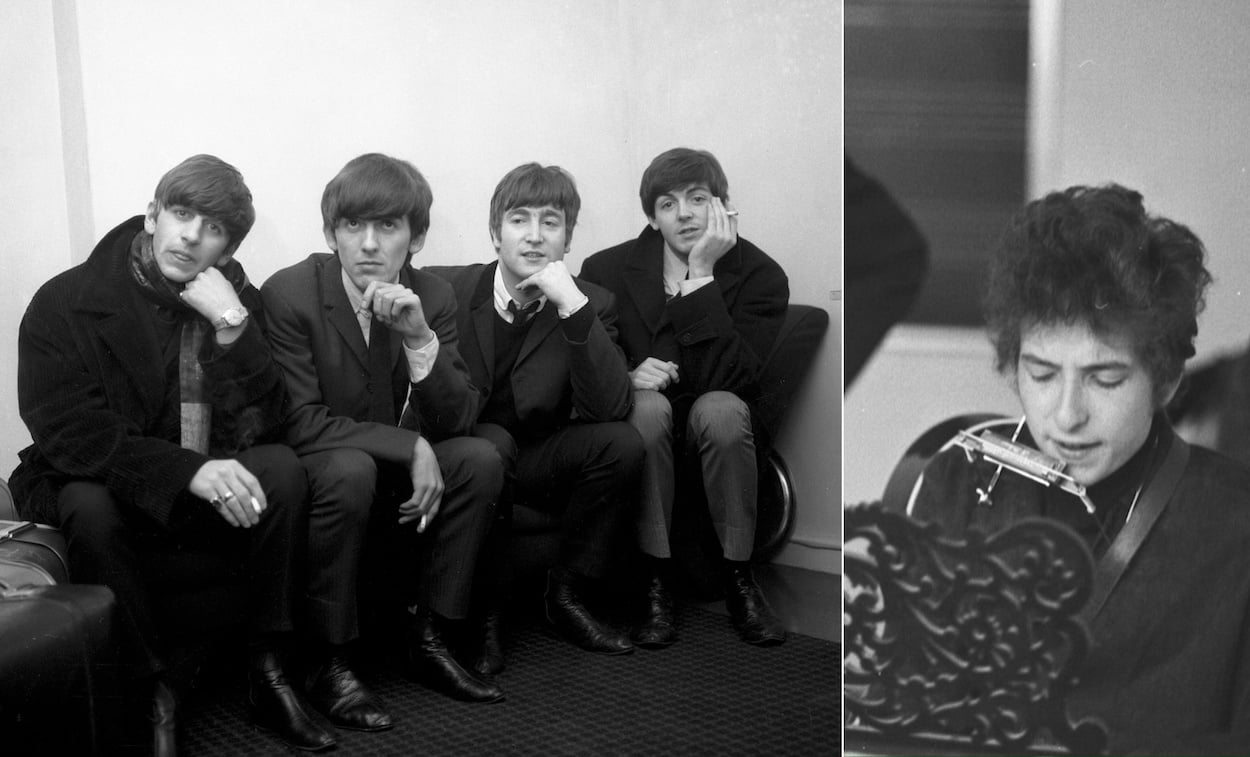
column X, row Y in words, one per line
column 356, row 296
column 503, row 296
column 675, row 271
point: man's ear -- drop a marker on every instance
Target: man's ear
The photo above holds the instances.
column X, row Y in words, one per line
column 225, row 258
column 149, row 219
column 651, row 221
column 330, row 240
column 416, row 243
column 494, row 240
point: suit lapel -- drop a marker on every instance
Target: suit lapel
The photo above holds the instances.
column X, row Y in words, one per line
column 644, row 282
column 120, row 318
column 137, row 354
column 728, row 272
column 544, row 323
column 339, row 311
column 482, row 307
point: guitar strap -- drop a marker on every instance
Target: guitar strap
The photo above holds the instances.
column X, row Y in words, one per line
column 1153, row 499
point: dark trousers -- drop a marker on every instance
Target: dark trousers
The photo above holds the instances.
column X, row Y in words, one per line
column 110, row 542
column 354, row 523
column 588, row 473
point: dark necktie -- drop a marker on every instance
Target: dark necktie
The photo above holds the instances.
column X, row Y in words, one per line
column 521, row 315
column 381, row 405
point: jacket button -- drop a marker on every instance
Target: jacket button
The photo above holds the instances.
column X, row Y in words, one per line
column 686, row 339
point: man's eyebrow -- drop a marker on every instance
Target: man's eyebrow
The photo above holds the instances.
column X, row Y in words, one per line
column 1106, row 365
column 1035, row 360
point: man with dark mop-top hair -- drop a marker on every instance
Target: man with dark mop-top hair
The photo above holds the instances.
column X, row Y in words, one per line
column 540, row 346
column 699, row 311
column 380, row 405
column 148, row 388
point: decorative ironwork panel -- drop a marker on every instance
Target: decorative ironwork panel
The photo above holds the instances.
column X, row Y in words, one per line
column 975, row 640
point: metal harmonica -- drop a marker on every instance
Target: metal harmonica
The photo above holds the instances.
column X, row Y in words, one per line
column 1018, row 458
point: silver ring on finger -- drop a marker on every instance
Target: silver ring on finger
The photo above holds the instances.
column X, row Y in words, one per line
column 227, row 496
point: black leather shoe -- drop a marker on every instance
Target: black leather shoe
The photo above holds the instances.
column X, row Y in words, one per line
column 489, row 659
column 570, row 618
column 337, row 693
column 164, row 720
column 657, row 630
column 433, row 665
column 277, row 707
column 748, row 610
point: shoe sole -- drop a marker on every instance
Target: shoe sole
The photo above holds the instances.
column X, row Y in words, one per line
column 654, row 644
column 271, row 732
column 605, row 652
column 359, row 729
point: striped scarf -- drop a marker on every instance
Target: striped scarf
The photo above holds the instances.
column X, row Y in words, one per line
column 195, row 412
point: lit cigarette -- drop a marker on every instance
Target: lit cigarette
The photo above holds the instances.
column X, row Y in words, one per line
column 731, row 212
column 256, row 505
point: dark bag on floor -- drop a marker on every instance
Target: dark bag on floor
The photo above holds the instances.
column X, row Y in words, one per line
column 31, row 555
column 58, row 683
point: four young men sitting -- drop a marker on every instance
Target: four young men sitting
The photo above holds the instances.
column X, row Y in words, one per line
column 363, row 424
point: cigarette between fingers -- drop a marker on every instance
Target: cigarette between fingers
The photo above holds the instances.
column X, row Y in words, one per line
column 425, row 519
column 256, row 505
column 731, row 212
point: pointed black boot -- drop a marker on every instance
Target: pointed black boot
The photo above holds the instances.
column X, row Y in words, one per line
column 569, row 617
column 748, row 610
column 489, row 660
column 657, row 629
column 432, row 664
column 278, row 708
column 337, row 693
column 164, row 720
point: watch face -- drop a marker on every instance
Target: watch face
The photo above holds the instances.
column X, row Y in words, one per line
column 233, row 317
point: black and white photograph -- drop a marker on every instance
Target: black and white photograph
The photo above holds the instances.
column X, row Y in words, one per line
column 1046, row 498
column 393, row 377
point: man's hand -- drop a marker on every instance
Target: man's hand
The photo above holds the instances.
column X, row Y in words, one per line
column 719, row 237
column 398, row 308
column 557, row 283
column 427, row 487
column 654, row 373
column 232, row 490
column 210, row 294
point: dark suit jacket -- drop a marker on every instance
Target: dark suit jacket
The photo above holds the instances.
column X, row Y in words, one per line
column 1169, row 668
column 316, row 339
column 719, row 336
column 553, row 377
column 92, row 388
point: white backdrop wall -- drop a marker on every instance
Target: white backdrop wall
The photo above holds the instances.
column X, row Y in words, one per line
column 1155, row 95
column 111, row 94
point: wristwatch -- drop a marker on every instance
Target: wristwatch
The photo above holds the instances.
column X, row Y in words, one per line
column 231, row 318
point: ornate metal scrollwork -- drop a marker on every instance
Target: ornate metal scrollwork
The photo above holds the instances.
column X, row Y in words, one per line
column 975, row 641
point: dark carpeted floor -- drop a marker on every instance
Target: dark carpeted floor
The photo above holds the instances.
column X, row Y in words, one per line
column 708, row 694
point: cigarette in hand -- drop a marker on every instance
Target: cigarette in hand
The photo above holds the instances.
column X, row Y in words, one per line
column 731, row 212
column 425, row 519
column 256, row 505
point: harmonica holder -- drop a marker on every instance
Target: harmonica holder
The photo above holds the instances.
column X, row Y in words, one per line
column 1015, row 457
